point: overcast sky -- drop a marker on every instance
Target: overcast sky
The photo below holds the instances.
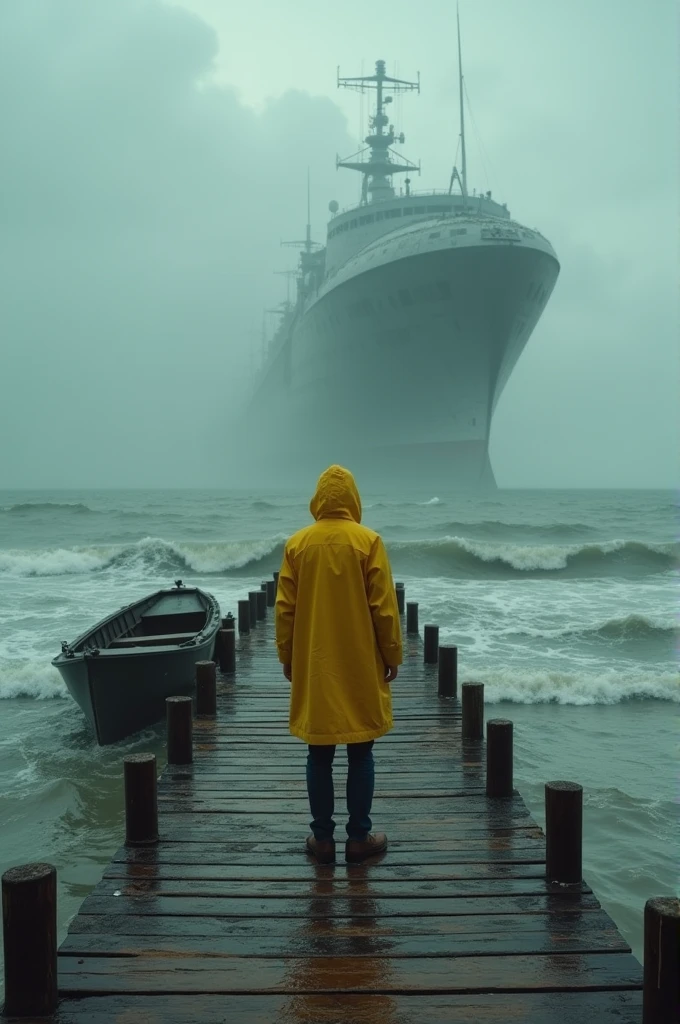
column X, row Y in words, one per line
column 155, row 155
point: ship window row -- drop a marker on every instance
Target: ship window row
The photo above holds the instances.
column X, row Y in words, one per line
column 369, row 218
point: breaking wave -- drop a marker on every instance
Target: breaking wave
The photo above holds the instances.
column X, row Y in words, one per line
column 635, row 627
column 35, row 678
column 449, row 556
column 150, row 555
column 527, row 686
column 461, row 556
column 627, row 628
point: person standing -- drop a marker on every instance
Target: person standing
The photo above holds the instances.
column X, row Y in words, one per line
column 338, row 637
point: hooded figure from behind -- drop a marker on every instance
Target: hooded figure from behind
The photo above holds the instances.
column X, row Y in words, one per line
column 337, row 621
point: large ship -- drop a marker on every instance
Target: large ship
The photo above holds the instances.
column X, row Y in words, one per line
column 406, row 326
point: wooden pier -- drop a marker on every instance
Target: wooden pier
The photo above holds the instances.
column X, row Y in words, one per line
column 226, row 919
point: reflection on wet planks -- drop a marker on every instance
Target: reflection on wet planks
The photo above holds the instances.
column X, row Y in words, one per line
column 227, row 920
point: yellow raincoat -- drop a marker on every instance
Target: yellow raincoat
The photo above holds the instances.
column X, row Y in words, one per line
column 337, row 621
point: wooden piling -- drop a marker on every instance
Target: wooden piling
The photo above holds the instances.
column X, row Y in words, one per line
column 276, row 578
column 473, row 711
column 261, row 602
column 271, row 593
column 141, row 800
column 412, row 618
column 661, row 991
column 180, row 730
column 206, row 682
column 244, row 616
column 29, row 926
column 400, row 590
column 447, row 671
column 228, row 623
column 228, row 651
column 563, row 831
column 499, row 768
column 430, row 644
column 252, row 597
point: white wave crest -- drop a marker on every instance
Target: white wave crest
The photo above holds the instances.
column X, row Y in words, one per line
column 220, row 557
column 54, row 561
column 149, row 552
column 537, row 686
column 432, row 501
column 533, row 556
column 528, row 557
column 35, row 678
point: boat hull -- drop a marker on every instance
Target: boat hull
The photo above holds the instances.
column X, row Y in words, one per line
column 396, row 370
column 122, row 669
column 121, row 695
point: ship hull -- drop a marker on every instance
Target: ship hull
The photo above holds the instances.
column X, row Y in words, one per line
column 396, row 370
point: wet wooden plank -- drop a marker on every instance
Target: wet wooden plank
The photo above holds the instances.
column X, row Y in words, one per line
column 518, row 849
column 527, row 934
column 439, row 927
column 597, row 1007
column 404, row 810
column 360, row 906
column 297, row 790
column 216, row 828
column 333, row 888
column 281, row 788
column 209, row 767
column 347, row 974
column 309, row 869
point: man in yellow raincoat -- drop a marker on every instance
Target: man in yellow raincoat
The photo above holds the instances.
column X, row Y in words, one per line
column 339, row 641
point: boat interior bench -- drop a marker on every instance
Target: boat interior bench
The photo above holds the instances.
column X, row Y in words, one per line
column 160, row 640
column 173, row 613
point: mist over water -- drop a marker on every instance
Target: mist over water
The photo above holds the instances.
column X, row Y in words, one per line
column 563, row 603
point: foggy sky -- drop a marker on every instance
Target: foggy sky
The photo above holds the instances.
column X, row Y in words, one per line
column 155, row 155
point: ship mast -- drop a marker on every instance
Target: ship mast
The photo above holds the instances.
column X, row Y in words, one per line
column 382, row 162
column 462, row 113
column 306, row 244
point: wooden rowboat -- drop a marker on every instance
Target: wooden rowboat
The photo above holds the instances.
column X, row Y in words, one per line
column 120, row 671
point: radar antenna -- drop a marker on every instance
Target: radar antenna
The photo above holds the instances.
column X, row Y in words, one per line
column 381, row 163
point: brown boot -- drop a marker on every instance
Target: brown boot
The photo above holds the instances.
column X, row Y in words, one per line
column 322, row 849
column 359, row 849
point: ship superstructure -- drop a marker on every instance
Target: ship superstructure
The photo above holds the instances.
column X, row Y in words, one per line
column 406, row 325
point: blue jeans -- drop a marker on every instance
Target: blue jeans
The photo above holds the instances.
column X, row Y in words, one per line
column 360, row 785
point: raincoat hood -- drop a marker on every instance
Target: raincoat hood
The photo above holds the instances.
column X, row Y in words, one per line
column 336, row 496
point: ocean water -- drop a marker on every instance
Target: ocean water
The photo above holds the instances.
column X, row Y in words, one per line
column 564, row 603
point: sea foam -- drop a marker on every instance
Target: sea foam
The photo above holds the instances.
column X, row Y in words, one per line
column 35, row 678
column 537, row 686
